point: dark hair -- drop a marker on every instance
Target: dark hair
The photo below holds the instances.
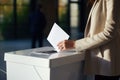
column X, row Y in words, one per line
column 38, row 6
column 90, row 2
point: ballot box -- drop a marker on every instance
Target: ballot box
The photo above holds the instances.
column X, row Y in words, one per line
column 43, row 64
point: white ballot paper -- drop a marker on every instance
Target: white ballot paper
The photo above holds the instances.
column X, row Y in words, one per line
column 56, row 35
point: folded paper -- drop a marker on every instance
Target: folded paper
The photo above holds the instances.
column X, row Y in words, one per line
column 56, row 35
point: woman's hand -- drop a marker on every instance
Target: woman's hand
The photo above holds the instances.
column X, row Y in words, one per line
column 66, row 44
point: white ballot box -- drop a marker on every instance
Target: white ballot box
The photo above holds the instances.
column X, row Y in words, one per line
column 43, row 64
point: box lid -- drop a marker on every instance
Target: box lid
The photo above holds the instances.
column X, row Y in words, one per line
column 44, row 57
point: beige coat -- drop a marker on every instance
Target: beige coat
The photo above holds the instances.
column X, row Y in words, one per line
column 102, row 39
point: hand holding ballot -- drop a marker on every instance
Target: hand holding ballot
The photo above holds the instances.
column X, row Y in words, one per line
column 59, row 39
column 56, row 35
column 66, row 44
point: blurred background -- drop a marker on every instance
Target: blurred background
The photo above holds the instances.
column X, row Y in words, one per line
column 70, row 15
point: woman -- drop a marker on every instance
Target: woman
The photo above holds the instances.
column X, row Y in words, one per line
column 101, row 41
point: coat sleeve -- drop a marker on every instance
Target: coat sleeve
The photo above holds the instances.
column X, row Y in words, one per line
column 109, row 31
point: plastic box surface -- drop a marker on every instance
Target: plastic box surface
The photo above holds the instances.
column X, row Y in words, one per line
column 41, row 64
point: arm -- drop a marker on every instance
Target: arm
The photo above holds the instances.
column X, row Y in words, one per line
column 111, row 24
